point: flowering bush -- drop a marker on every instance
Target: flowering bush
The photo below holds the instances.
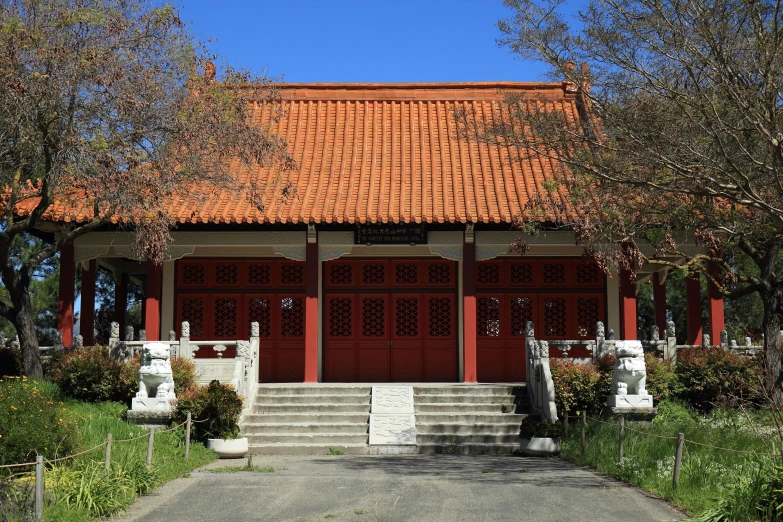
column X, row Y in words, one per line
column 33, row 421
column 215, row 409
column 576, row 386
column 710, row 376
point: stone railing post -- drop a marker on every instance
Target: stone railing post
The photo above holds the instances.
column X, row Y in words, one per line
column 671, row 342
column 142, row 334
column 114, row 341
column 58, row 340
column 600, row 341
column 184, row 341
column 724, row 339
column 78, row 342
column 128, row 333
column 530, row 339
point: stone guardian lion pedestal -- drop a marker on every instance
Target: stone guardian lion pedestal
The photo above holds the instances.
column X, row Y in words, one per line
column 153, row 402
column 629, row 392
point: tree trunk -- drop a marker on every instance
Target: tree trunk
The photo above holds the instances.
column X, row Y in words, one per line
column 772, row 346
column 28, row 338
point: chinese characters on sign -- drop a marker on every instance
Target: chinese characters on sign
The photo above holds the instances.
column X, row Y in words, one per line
column 380, row 234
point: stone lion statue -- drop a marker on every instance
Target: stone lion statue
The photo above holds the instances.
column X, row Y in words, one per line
column 630, row 371
column 155, row 377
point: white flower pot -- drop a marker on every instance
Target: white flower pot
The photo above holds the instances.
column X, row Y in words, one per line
column 540, row 446
column 229, row 448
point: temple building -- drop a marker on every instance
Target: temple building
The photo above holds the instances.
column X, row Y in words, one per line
column 385, row 256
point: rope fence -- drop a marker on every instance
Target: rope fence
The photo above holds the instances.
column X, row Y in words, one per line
column 680, row 442
column 40, row 462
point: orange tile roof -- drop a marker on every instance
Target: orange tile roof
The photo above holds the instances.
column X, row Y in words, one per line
column 383, row 153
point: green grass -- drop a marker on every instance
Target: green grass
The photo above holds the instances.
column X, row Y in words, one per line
column 78, row 490
column 333, row 451
column 707, row 474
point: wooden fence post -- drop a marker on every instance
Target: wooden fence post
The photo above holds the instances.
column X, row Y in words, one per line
column 584, row 426
column 107, row 456
column 187, row 438
column 39, row 487
column 150, row 443
column 622, row 438
column 678, row 459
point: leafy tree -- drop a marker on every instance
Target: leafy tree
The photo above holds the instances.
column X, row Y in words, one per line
column 678, row 135
column 103, row 111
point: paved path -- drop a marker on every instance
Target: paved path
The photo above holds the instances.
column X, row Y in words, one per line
column 430, row 488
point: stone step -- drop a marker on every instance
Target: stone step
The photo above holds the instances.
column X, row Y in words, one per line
column 463, row 408
column 307, row 418
column 448, row 417
column 325, row 398
column 468, row 449
column 318, row 407
column 357, row 428
column 469, row 399
column 508, row 428
column 463, row 439
column 281, row 448
column 470, row 390
column 308, row 438
column 312, row 390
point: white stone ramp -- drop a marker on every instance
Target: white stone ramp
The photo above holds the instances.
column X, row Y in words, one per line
column 392, row 418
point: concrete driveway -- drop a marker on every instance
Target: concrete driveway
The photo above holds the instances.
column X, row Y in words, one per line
column 431, row 488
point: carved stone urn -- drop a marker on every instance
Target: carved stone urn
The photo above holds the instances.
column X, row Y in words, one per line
column 229, row 448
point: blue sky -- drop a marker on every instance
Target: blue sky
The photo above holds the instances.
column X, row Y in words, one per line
column 361, row 41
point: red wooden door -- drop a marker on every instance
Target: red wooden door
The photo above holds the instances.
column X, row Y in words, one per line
column 390, row 321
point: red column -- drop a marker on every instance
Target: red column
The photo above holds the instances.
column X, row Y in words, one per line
column 66, row 294
column 121, row 302
column 152, row 301
column 659, row 299
column 311, row 313
column 628, row 314
column 717, row 320
column 469, row 312
column 693, row 303
column 87, row 315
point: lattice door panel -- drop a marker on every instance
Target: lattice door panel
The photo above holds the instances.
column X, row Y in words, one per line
column 521, row 309
column 488, row 313
column 555, row 314
column 192, row 274
column 489, row 274
column 193, row 308
column 373, row 316
column 339, row 316
column 589, row 310
column 259, row 309
column 340, row 274
column 226, row 311
column 441, row 315
column 225, row 273
column 406, row 317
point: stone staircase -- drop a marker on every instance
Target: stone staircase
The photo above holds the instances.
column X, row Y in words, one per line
column 469, row 419
column 297, row 419
column 308, row 419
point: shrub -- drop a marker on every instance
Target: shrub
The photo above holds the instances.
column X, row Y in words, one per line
column 531, row 427
column 10, row 361
column 89, row 374
column 33, row 421
column 710, row 376
column 576, row 386
column 215, row 410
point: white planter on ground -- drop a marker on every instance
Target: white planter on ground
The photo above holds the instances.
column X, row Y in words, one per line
column 229, row 448
column 540, row 446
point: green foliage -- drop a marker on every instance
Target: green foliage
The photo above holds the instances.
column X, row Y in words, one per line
column 214, row 409
column 709, row 377
column 90, row 375
column 10, row 361
column 758, row 497
column 33, row 421
column 707, row 475
column 576, row 386
column 531, row 427
column 334, row 451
